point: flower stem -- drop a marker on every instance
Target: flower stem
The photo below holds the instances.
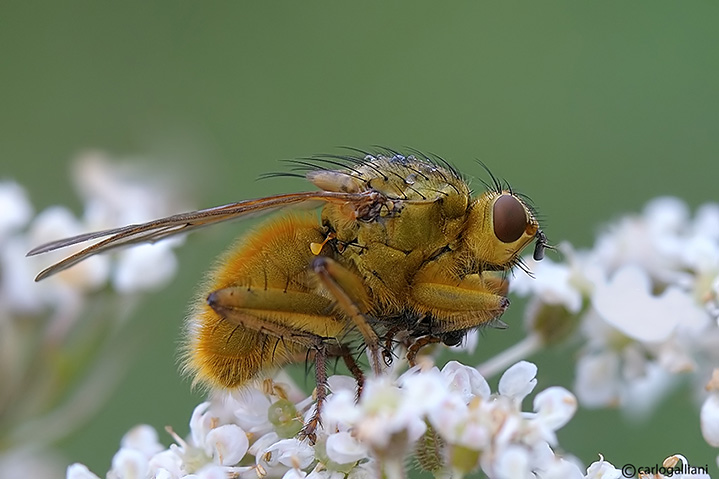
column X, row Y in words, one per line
column 523, row 349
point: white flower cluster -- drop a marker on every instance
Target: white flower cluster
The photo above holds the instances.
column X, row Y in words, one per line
column 112, row 196
column 644, row 303
column 39, row 321
column 449, row 419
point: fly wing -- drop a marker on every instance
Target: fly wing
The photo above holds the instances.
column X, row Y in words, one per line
column 181, row 223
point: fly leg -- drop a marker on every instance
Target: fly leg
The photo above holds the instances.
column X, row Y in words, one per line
column 388, row 342
column 256, row 311
column 475, row 301
column 349, row 360
column 417, row 345
column 308, row 430
column 348, row 291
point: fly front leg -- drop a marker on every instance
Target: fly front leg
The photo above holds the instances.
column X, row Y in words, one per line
column 471, row 302
column 351, row 298
column 475, row 301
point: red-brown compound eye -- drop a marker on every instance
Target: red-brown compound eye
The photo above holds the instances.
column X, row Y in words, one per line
column 510, row 219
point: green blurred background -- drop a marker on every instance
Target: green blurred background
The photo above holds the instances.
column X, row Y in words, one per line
column 591, row 108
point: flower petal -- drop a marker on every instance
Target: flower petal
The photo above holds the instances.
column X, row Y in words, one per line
column 518, row 381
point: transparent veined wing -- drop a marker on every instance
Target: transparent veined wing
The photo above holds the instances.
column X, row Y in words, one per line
column 183, row 223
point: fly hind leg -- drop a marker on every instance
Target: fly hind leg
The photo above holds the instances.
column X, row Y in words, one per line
column 256, row 311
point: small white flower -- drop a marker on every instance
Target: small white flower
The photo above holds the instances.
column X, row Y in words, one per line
column 290, row 453
column 295, row 474
column 161, row 474
column 144, row 267
column 15, row 206
column 666, row 214
column 451, row 419
column 552, row 283
column 518, row 381
column 142, row 438
column 709, row 416
column 167, row 461
column 650, row 242
column 640, row 394
column 192, row 452
column 18, row 291
column 211, row 471
column 343, row 448
column 507, row 425
column 263, row 442
column 119, row 193
column 626, row 303
column 423, row 390
column 560, row 468
column 706, row 221
column 555, row 406
column 512, row 463
column 227, row 444
column 79, row 471
column 597, row 379
column 130, row 464
column 201, row 423
column 250, row 411
column 366, row 470
column 701, row 254
column 676, row 356
column 386, row 412
column 58, row 222
column 602, row 469
column 466, row 381
column 340, row 410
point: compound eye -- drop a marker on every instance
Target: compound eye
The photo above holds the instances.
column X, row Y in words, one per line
column 510, row 219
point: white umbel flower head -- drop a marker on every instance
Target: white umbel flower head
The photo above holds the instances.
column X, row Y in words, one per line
column 472, row 427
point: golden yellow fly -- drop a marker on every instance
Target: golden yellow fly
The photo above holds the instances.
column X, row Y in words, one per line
column 402, row 250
